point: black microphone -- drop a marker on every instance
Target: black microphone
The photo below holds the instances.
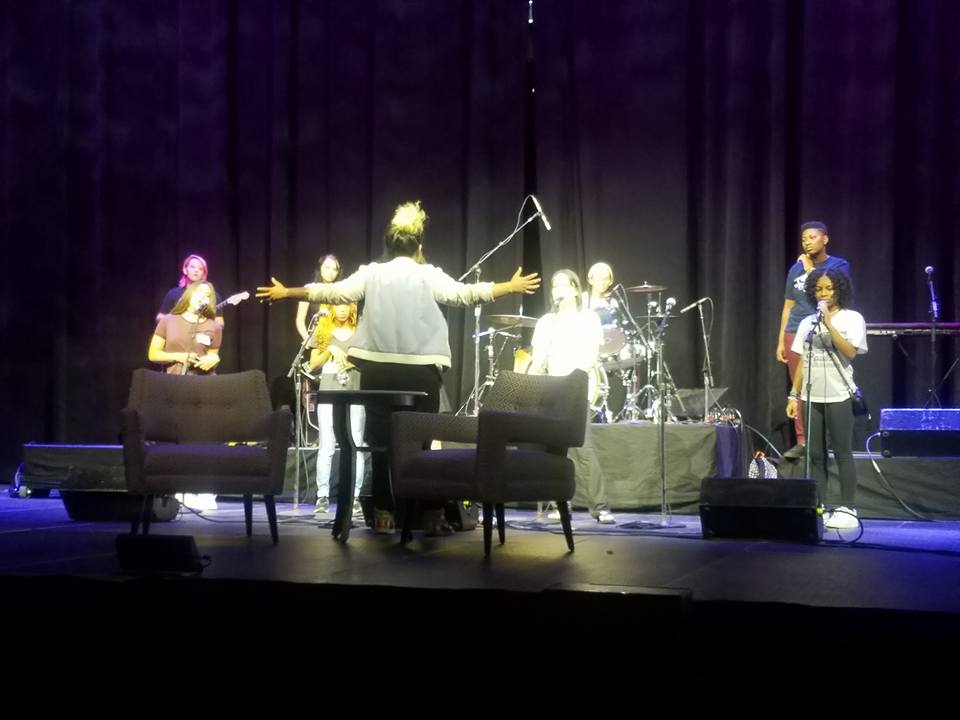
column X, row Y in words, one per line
column 543, row 215
column 934, row 305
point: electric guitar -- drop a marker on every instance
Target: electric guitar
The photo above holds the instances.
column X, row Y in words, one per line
column 234, row 299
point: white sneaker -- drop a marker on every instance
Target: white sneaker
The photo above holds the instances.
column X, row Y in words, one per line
column 554, row 512
column 605, row 517
column 200, row 502
column 843, row 518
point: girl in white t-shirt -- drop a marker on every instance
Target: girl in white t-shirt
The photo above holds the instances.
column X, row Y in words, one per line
column 565, row 340
column 827, row 342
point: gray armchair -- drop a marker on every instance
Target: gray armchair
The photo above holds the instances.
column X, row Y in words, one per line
column 176, row 429
column 522, row 435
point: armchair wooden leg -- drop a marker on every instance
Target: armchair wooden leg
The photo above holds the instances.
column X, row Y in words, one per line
column 271, row 504
column 406, row 525
column 487, row 527
column 248, row 513
column 146, row 511
column 564, row 509
column 501, row 525
column 135, row 523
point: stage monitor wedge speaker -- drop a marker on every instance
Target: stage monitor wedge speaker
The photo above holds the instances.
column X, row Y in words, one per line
column 762, row 508
column 920, row 432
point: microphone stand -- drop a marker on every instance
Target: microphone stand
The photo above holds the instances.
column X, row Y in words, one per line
column 934, row 318
column 665, row 520
column 475, row 268
column 807, row 412
column 296, row 373
column 707, row 365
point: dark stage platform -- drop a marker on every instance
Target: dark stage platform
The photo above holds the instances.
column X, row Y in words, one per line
column 628, row 454
column 709, row 612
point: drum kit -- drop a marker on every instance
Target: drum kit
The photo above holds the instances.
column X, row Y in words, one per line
column 630, row 355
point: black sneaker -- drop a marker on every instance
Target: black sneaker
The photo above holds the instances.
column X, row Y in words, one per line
column 796, row 452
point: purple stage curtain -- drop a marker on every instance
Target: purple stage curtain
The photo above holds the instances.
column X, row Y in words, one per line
column 260, row 134
column 685, row 141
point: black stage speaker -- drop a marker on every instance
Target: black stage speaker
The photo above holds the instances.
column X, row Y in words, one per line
column 774, row 508
column 152, row 554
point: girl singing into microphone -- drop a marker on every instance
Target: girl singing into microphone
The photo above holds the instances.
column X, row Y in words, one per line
column 187, row 340
column 835, row 331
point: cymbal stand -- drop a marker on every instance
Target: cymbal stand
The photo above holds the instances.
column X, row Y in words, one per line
column 632, row 409
column 493, row 360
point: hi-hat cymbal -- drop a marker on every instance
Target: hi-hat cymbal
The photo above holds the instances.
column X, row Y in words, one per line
column 646, row 288
column 512, row 320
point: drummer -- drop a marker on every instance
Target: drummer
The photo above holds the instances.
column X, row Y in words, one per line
column 600, row 280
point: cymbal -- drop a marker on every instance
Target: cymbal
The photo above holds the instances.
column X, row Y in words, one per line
column 654, row 317
column 645, row 288
column 512, row 320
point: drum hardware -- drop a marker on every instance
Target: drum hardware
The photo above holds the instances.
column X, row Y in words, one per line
column 645, row 343
column 493, row 360
column 620, row 365
column 598, row 389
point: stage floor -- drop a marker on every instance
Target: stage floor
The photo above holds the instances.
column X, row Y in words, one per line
column 628, row 612
column 897, row 565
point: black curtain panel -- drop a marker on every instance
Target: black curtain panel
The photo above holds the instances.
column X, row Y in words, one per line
column 683, row 142
column 259, row 134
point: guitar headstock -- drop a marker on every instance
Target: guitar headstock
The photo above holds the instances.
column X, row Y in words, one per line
column 234, row 299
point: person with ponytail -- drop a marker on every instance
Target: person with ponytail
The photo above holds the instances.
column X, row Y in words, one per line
column 402, row 340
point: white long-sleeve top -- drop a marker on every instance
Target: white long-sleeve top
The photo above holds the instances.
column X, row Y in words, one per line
column 401, row 321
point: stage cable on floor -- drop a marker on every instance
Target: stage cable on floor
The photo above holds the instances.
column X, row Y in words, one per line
column 886, row 483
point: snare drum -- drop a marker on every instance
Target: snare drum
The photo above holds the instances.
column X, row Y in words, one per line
column 597, row 387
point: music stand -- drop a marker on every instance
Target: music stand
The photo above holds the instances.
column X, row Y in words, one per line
column 700, row 398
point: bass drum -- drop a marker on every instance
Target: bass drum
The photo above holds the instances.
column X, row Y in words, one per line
column 597, row 387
